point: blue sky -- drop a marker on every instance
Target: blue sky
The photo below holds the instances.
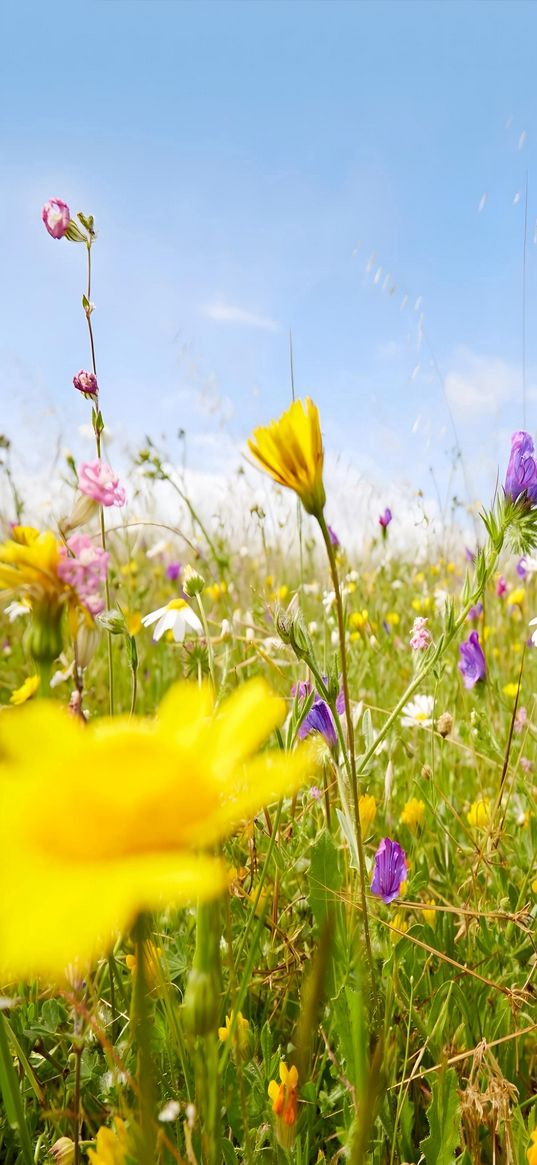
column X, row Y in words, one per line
column 259, row 166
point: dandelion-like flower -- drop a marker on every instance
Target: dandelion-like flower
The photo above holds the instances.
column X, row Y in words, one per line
column 176, row 617
column 479, row 813
column 107, row 819
column 472, row 662
column 291, row 451
column 389, row 871
column 367, row 808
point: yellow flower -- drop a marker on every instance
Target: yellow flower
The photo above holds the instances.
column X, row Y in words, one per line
column 26, row 690
column 241, row 1032
column 284, row 1097
column 479, row 813
column 510, row 690
column 516, row 598
column 413, row 814
column 111, row 1145
column 367, row 807
column 291, row 451
column 63, row 1151
column 133, row 620
column 400, row 927
column 393, row 618
column 531, row 1152
column 534, row 886
column 429, row 915
column 29, row 563
column 100, row 821
column 152, row 970
column 358, row 620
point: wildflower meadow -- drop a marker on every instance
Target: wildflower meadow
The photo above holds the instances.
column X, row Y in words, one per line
column 269, row 824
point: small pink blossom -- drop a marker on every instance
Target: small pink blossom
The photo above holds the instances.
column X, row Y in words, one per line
column 501, row 587
column 521, row 720
column 86, row 382
column 526, row 764
column 83, row 565
column 56, row 217
column 99, row 482
column 421, row 637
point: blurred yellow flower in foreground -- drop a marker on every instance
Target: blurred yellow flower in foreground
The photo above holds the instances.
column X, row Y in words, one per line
column 291, row 451
column 29, row 564
column 99, row 822
column 531, row 1151
column 510, row 690
column 111, row 1145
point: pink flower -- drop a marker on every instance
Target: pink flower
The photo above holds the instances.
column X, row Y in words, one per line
column 501, row 587
column 99, row 482
column 83, row 565
column 56, row 217
column 421, row 637
column 86, row 382
column 521, row 720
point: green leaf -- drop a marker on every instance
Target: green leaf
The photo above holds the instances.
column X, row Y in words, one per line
column 9, row 1088
column 443, row 1115
column 324, row 879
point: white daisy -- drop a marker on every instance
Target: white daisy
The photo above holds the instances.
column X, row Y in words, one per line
column 418, row 713
column 532, row 623
column 176, row 617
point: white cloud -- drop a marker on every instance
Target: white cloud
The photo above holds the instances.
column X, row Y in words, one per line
column 482, row 385
column 227, row 313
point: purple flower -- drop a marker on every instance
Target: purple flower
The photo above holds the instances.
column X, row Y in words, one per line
column 86, row 382
column 333, row 536
column 173, row 570
column 56, row 217
column 521, row 568
column 472, row 662
column 475, row 613
column 521, row 476
column 389, row 870
column 385, row 518
column 319, row 717
column 470, row 554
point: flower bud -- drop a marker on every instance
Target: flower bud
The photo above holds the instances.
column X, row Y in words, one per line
column 193, row 582
column 87, row 642
column 201, row 1004
column 56, row 217
column 86, row 382
column 299, row 638
column 113, row 621
column 45, row 638
column 63, row 1151
column 444, row 724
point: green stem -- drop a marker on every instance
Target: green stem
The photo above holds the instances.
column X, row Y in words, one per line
column 87, row 313
column 350, row 736
column 142, row 1021
column 210, row 652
